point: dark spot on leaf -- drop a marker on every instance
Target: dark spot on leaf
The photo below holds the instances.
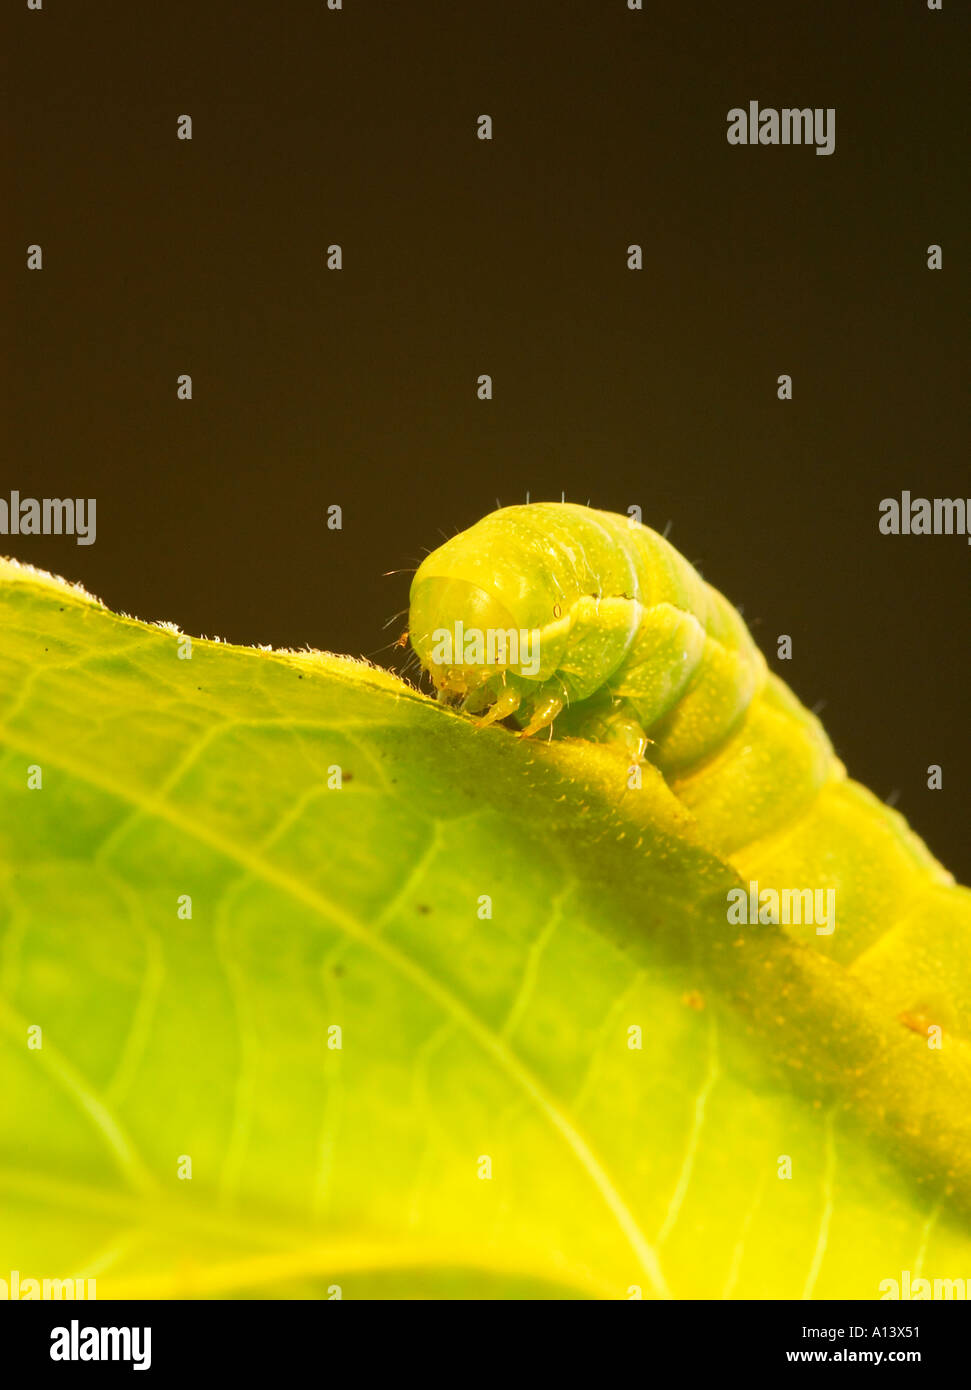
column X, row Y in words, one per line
column 423, row 908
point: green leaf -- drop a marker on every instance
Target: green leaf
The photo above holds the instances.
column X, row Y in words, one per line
column 464, row 1038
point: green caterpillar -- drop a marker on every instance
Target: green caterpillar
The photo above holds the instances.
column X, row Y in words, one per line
column 636, row 649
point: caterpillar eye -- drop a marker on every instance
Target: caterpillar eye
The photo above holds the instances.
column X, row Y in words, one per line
column 557, row 610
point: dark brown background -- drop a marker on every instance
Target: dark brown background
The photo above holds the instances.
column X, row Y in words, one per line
column 461, row 257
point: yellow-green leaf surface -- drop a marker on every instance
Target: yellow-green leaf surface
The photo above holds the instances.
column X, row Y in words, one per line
column 487, row 1126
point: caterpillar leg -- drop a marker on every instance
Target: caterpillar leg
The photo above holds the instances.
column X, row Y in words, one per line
column 507, row 703
column 619, row 728
column 543, row 715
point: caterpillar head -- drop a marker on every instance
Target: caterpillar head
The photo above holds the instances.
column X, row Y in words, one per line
column 508, row 615
column 489, row 617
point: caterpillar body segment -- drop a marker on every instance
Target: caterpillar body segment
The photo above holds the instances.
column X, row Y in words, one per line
column 619, row 614
column 636, row 649
column 630, row 636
